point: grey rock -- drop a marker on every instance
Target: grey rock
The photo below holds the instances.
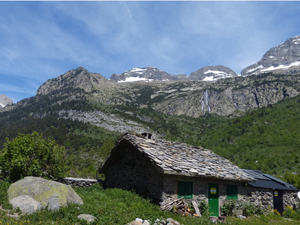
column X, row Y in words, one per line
column 49, row 194
column 135, row 223
column 146, row 222
column 4, row 100
column 241, row 217
column 26, row 204
column 170, row 220
column 163, row 222
column 213, row 219
column 87, row 217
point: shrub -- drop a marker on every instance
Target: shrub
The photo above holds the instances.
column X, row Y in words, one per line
column 203, row 207
column 248, row 209
column 32, row 155
column 227, row 208
column 289, row 212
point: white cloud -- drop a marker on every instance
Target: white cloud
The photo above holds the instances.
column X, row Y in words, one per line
column 41, row 40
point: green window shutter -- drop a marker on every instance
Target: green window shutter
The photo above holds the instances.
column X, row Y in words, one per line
column 232, row 192
column 185, row 189
column 181, row 188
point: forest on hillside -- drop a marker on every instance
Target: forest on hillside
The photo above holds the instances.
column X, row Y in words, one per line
column 265, row 139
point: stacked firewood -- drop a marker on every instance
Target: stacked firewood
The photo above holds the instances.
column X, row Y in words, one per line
column 178, row 206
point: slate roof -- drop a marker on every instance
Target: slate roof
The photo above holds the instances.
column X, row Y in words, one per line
column 268, row 181
column 176, row 158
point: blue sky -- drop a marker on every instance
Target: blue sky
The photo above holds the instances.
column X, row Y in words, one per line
column 42, row 40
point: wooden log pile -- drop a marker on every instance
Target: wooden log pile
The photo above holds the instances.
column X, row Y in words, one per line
column 178, row 206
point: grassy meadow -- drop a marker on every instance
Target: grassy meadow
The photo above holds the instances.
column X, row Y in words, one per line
column 116, row 206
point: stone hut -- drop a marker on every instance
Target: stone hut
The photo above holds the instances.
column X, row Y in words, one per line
column 269, row 192
column 165, row 170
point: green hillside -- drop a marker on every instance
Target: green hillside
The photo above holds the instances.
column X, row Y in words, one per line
column 266, row 139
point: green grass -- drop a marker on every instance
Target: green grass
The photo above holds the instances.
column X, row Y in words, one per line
column 116, row 206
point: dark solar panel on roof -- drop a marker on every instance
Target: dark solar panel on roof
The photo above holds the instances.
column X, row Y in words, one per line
column 279, row 181
column 256, row 174
column 268, row 181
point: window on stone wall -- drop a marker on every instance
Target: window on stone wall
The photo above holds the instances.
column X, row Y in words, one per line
column 185, row 189
column 232, row 192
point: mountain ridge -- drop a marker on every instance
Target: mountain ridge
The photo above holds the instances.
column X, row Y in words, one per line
column 282, row 59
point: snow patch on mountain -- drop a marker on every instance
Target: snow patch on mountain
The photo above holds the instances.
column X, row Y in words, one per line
column 282, row 67
column 135, row 70
column 212, row 73
column 208, row 78
column 282, row 59
column 134, row 79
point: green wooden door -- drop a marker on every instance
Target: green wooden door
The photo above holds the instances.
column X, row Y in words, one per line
column 213, row 199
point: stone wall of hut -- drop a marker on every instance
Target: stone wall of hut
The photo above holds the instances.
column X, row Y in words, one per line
column 260, row 197
column 291, row 199
column 200, row 188
column 263, row 197
column 131, row 170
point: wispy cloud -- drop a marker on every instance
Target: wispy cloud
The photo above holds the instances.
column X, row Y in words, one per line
column 42, row 40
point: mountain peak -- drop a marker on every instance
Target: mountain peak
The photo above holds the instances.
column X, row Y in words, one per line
column 212, row 73
column 4, row 100
column 76, row 78
column 145, row 74
column 282, row 59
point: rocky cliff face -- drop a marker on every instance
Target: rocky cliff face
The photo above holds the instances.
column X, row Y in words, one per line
column 78, row 78
column 212, row 73
column 190, row 98
column 226, row 97
column 4, row 100
column 283, row 59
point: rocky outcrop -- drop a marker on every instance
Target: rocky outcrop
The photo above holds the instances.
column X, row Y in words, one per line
column 109, row 122
column 212, row 73
column 226, row 96
column 78, row 78
column 282, row 59
column 4, row 100
column 49, row 194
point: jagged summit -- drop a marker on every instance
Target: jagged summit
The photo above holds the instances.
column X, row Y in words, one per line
column 212, row 73
column 145, row 74
column 77, row 78
column 282, row 59
column 4, row 100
